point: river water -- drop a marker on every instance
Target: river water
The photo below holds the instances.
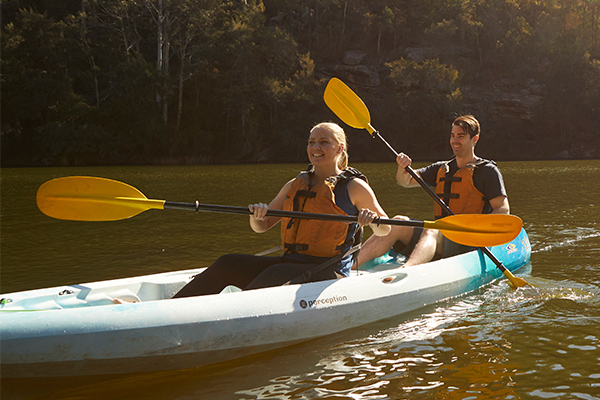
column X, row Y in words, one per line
column 500, row 343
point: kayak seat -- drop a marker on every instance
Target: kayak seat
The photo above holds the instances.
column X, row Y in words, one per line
column 150, row 291
column 104, row 297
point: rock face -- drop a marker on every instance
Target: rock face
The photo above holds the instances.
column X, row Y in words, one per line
column 359, row 74
column 353, row 57
column 514, row 106
column 501, row 101
column 351, row 71
column 419, row 54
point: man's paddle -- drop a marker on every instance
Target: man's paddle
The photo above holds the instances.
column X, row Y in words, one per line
column 353, row 111
column 84, row 198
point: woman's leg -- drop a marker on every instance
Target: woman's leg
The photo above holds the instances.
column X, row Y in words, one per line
column 230, row 269
column 279, row 274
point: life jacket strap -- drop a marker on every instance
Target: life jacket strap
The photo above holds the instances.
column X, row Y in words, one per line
column 292, row 247
column 295, row 247
column 307, row 275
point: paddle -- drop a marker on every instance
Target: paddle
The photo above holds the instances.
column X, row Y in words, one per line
column 353, row 111
column 84, row 198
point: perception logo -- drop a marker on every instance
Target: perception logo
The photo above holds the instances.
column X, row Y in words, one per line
column 327, row 301
column 511, row 248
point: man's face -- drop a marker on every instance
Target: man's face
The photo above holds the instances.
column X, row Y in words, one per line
column 460, row 141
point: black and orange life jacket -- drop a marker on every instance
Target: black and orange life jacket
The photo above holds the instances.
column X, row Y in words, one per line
column 458, row 191
column 315, row 237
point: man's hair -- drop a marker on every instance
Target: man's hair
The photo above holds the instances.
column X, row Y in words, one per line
column 469, row 124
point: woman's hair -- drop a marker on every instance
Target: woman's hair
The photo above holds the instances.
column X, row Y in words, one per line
column 469, row 124
column 340, row 137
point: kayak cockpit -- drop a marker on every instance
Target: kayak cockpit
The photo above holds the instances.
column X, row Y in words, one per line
column 141, row 289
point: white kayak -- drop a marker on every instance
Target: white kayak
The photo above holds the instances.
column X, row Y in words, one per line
column 78, row 330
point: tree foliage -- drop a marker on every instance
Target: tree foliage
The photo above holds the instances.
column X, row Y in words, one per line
column 207, row 81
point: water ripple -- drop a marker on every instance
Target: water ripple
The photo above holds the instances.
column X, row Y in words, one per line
column 468, row 348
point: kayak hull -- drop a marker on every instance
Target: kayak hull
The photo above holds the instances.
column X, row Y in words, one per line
column 78, row 330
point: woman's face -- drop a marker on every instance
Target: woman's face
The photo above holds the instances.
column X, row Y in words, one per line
column 322, row 147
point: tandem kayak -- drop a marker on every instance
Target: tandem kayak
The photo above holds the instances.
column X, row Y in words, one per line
column 78, row 330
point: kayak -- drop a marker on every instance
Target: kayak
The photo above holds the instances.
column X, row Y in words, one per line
column 79, row 330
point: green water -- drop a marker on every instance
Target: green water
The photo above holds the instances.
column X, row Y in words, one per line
column 495, row 343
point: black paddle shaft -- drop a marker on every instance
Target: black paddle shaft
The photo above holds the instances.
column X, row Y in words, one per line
column 285, row 214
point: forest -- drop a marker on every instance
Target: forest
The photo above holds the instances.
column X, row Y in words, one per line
column 160, row 82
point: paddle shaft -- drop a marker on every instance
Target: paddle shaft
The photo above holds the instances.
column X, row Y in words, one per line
column 287, row 214
column 439, row 201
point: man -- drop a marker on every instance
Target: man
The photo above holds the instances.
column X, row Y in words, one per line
column 466, row 183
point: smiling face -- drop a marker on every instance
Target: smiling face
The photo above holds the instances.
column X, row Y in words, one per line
column 323, row 148
column 462, row 144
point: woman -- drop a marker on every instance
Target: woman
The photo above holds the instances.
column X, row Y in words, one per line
column 330, row 187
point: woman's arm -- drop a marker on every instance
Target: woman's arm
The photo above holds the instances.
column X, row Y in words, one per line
column 363, row 198
column 259, row 222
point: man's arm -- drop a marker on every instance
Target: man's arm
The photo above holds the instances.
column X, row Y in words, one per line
column 404, row 179
column 500, row 205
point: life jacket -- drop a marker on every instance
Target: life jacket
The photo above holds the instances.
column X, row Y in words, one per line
column 316, row 237
column 458, row 191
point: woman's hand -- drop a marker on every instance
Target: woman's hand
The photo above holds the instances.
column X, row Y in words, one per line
column 259, row 221
column 259, row 211
column 366, row 216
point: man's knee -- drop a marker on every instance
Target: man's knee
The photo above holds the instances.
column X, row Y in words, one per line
column 402, row 232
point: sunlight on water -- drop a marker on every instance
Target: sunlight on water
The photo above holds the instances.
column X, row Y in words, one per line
column 588, row 234
column 459, row 349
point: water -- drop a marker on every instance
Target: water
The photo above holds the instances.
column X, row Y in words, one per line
column 541, row 343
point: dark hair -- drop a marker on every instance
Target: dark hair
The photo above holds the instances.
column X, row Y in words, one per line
column 469, row 124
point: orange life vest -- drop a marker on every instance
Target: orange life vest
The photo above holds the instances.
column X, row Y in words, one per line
column 315, row 237
column 461, row 195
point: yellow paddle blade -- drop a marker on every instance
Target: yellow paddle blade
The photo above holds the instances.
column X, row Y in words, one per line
column 347, row 105
column 85, row 198
column 515, row 281
column 478, row 230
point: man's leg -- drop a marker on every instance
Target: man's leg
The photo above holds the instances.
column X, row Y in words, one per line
column 430, row 243
column 376, row 246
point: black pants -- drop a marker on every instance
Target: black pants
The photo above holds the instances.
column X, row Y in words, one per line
column 251, row 272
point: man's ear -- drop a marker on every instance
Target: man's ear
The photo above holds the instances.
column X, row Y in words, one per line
column 475, row 139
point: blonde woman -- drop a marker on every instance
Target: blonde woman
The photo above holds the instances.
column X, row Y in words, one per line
column 314, row 250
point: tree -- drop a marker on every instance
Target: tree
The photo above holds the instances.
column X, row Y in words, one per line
column 427, row 92
column 37, row 85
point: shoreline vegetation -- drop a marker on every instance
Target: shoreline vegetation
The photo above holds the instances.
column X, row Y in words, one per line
column 183, row 82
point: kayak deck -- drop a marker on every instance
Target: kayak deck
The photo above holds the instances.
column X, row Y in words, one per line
column 144, row 288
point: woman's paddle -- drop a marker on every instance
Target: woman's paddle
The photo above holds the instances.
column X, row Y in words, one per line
column 84, row 198
column 353, row 111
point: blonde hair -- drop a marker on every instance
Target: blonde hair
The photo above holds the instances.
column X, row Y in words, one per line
column 340, row 137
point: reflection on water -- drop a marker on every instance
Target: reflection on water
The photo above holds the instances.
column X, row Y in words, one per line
column 474, row 347
column 532, row 343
